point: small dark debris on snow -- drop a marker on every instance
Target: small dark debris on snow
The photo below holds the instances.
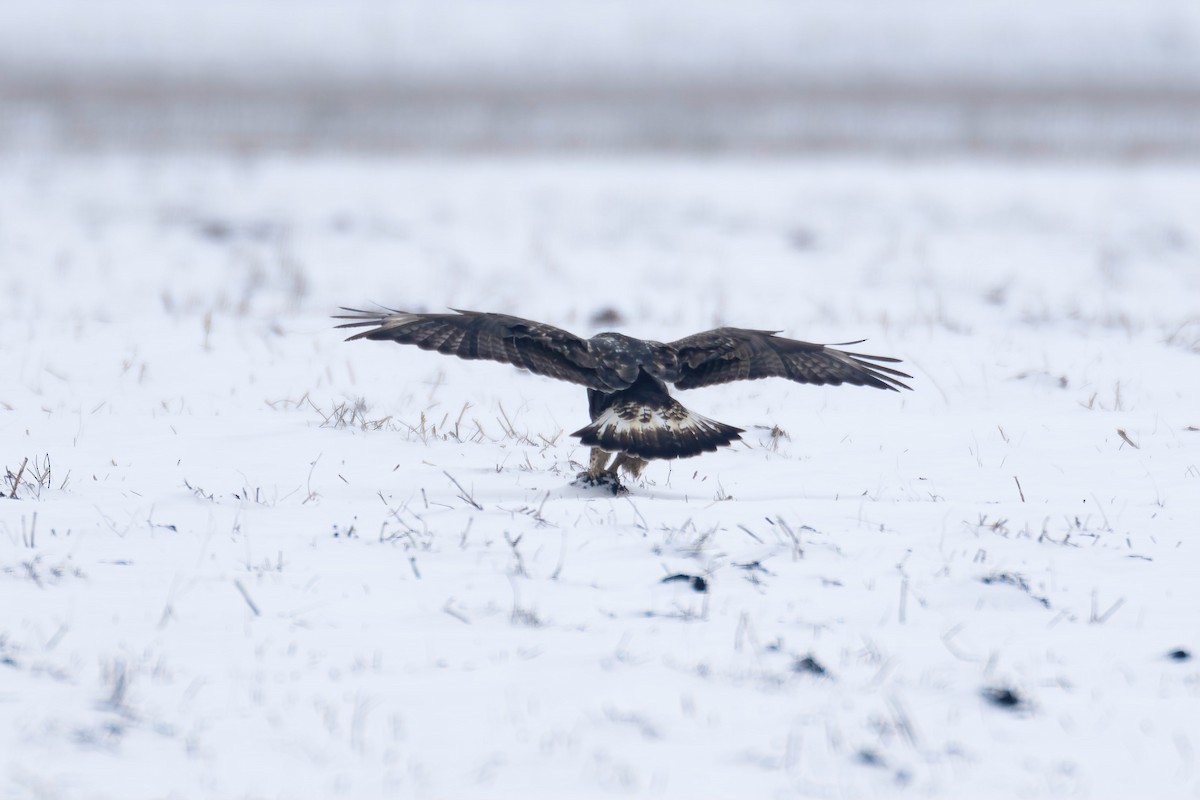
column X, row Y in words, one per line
column 698, row 583
column 869, row 758
column 607, row 316
column 5, row 658
column 774, row 432
column 1012, row 579
column 1002, row 697
column 810, row 666
column 802, row 239
column 997, row 295
column 225, row 230
column 1125, row 437
column 1044, row 378
column 351, row 533
column 1180, row 655
column 754, row 566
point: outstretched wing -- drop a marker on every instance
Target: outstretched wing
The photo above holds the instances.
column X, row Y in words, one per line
column 542, row 349
column 736, row 354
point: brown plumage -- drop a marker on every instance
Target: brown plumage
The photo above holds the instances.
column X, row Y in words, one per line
column 632, row 413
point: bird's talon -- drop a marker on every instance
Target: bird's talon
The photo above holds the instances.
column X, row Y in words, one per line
column 605, row 479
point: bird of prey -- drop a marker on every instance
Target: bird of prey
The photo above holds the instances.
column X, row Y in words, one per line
column 633, row 416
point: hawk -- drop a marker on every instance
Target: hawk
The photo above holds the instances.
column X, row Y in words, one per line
column 633, row 415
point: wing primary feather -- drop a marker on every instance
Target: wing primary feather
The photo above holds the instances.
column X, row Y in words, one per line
column 470, row 335
column 731, row 354
column 362, row 318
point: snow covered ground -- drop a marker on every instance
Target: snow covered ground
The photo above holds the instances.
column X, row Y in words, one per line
column 248, row 559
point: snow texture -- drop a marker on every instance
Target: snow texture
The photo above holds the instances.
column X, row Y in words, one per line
column 245, row 558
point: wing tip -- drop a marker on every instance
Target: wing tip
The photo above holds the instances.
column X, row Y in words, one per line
column 361, row 318
column 878, row 375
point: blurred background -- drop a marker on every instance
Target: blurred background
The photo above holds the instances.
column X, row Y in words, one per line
column 1091, row 78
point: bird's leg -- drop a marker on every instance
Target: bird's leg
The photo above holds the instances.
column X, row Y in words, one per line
column 631, row 464
column 598, row 462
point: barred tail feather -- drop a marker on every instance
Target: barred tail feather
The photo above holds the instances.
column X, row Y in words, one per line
column 652, row 430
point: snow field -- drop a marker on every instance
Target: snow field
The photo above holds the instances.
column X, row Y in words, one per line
column 245, row 558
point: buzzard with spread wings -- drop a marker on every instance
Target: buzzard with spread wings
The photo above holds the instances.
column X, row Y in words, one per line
column 632, row 414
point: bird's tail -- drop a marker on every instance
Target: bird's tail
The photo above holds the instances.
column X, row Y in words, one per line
column 655, row 429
